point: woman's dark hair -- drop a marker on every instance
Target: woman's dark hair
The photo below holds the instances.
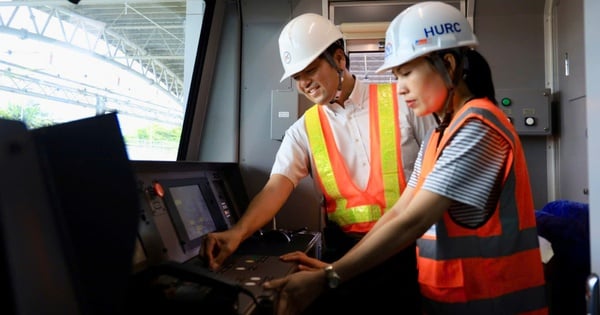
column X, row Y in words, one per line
column 475, row 71
column 478, row 76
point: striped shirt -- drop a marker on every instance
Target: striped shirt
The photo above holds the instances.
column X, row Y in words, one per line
column 469, row 171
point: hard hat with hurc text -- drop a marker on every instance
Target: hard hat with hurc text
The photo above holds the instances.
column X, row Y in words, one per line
column 423, row 28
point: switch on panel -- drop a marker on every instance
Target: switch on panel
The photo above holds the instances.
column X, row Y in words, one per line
column 284, row 112
column 529, row 121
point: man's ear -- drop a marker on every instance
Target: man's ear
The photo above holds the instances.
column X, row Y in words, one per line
column 340, row 59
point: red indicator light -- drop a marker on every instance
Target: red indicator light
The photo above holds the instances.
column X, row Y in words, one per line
column 158, row 188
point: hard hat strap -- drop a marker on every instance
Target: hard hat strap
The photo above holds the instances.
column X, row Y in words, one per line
column 436, row 60
column 340, row 72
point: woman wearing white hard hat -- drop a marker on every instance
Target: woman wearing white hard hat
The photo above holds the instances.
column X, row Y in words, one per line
column 468, row 202
column 359, row 146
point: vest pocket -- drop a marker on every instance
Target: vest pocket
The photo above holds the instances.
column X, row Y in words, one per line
column 446, row 274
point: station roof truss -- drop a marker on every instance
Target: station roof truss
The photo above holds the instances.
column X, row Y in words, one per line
column 145, row 37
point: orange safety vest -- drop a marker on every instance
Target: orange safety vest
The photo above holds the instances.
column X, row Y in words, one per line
column 353, row 209
column 495, row 268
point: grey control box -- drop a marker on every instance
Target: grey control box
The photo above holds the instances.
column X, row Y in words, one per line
column 529, row 110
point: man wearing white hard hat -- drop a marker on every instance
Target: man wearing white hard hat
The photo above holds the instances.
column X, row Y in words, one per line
column 468, row 203
column 359, row 145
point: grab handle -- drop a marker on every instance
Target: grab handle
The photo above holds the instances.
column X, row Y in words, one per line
column 591, row 295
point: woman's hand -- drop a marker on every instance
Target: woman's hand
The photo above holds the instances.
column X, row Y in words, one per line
column 304, row 261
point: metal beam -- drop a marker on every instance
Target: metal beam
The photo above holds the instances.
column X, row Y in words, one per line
column 85, row 2
column 121, row 46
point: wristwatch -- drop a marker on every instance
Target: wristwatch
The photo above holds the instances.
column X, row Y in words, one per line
column 333, row 279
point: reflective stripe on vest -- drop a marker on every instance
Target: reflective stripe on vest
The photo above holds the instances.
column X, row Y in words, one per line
column 493, row 269
column 353, row 209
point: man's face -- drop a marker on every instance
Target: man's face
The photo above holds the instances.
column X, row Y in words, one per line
column 318, row 81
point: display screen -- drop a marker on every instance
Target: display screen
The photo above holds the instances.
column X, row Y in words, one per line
column 193, row 209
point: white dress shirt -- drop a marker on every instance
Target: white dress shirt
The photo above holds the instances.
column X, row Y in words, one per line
column 350, row 126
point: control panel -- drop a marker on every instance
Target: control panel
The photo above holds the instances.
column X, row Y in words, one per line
column 183, row 201
column 180, row 203
column 529, row 110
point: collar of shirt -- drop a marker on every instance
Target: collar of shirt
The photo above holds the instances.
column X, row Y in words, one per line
column 356, row 100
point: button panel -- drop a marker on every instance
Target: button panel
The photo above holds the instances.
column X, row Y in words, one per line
column 529, row 110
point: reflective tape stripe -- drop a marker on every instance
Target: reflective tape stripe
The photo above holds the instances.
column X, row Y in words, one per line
column 320, row 153
column 473, row 246
column 524, row 301
column 359, row 214
column 390, row 137
column 487, row 115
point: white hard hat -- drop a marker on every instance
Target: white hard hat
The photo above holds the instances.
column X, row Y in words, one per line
column 303, row 39
column 422, row 28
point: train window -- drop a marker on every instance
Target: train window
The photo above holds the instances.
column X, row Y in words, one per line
column 364, row 65
column 62, row 61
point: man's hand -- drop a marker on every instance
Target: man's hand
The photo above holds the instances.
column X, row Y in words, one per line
column 297, row 291
column 304, row 261
column 216, row 247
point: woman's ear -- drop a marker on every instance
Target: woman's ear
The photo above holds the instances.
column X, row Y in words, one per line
column 450, row 63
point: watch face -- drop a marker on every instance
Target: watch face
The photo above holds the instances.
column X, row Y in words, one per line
column 333, row 279
column 334, row 282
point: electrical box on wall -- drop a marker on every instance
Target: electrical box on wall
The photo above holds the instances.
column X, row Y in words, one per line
column 284, row 112
column 529, row 110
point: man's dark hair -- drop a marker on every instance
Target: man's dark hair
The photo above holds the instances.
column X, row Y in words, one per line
column 330, row 51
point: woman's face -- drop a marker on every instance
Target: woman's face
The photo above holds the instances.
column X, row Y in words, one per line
column 318, row 81
column 421, row 86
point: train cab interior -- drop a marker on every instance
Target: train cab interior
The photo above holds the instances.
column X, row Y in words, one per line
column 129, row 129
